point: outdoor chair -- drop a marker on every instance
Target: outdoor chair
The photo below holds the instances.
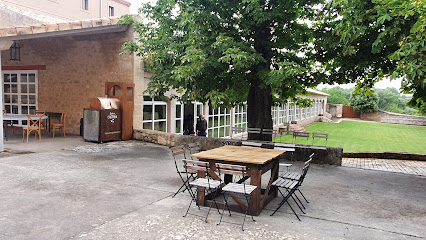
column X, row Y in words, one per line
column 296, row 176
column 291, row 148
column 178, row 153
column 237, row 130
column 208, row 184
column 43, row 122
column 61, row 125
column 194, row 148
column 291, row 186
column 232, row 142
column 269, row 132
column 238, row 189
column 251, row 144
column 319, row 135
column 253, row 131
column 33, row 126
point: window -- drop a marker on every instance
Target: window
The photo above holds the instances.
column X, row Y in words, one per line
column 20, row 93
column 297, row 115
column 179, row 118
column 290, row 112
column 154, row 114
column 85, row 4
column 111, row 11
column 274, row 112
column 282, row 114
column 241, row 116
column 219, row 122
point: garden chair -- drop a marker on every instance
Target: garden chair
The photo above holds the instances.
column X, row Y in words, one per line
column 291, row 148
column 61, row 125
column 178, row 153
column 194, row 148
column 33, row 126
column 238, row 189
column 253, row 131
column 43, row 122
column 232, row 142
column 296, row 176
column 291, row 186
column 269, row 132
column 237, row 130
column 207, row 183
column 251, row 144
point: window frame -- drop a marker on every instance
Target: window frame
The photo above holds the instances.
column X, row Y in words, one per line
column 154, row 103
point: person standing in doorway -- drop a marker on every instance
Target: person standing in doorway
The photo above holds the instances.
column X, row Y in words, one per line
column 201, row 126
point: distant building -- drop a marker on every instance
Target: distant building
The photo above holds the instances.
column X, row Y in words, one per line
column 26, row 12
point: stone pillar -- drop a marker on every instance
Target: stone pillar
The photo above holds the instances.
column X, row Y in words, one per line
column 139, row 80
column 4, row 45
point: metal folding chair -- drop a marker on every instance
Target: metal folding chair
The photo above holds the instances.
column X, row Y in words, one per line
column 194, row 148
column 239, row 189
column 232, row 142
column 178, row 153
column 291, row 148
column 253, row 131
column 291, row 186
column 210, row 185
column 296, row 176
column 269, row 132
column 237, row 130
column 251, row 144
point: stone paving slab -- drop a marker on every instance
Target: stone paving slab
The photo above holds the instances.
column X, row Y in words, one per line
column 389, row 165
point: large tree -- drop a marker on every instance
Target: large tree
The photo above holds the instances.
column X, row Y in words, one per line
column 366, row 40
column 229, row 52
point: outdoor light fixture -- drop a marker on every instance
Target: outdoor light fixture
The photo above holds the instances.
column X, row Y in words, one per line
column 15, row 52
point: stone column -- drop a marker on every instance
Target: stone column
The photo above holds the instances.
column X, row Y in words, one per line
column 4, row 45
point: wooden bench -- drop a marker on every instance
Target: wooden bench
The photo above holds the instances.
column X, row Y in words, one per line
column 301, row 134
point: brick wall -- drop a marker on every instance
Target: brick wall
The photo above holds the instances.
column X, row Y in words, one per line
column 77, row 68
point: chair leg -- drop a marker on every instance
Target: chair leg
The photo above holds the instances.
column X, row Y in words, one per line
column 303, row 195
column 211, row 203
column 63, row 130
column 53, row 132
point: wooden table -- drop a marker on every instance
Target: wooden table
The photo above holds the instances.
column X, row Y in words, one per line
column 257, row 160
column 16, row 117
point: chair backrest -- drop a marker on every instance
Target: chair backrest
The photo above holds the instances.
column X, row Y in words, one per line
column 38, row 111
column 63, row 117
column 231, row 169
column 232, row 142
column 271, row 132
column 254, row 130
column 4, row 112
column 34, row 120
column 178, row 152
column 305, row 169
column 194, row 148
column 193, row 166
column 251, row 144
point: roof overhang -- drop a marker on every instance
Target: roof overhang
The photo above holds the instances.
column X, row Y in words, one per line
column 316, row 92
column 84, row 27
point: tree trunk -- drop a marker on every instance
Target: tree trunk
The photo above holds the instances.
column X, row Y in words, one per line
column 259, row 104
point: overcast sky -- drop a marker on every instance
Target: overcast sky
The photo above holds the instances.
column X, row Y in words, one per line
column 382, row 84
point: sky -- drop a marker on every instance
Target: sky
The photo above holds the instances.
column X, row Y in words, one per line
column 382, row 84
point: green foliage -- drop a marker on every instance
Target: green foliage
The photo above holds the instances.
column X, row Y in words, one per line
column 363, row 101
column 338, row 95
column 215, row 51
column 374, row 39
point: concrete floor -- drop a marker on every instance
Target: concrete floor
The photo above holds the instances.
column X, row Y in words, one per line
column 71, row 189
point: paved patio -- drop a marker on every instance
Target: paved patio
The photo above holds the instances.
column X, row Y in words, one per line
column 388, row 165
column 71, row 189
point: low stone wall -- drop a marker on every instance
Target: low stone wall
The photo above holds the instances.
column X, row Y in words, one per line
column 388, row 117
column 323, row 155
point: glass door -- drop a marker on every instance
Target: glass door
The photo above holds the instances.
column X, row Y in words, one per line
column 20, row 93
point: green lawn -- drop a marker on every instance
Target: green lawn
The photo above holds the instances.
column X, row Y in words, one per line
column 367, row 137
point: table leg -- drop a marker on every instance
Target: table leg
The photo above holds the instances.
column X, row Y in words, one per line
column 256, row 195
column 201, row 192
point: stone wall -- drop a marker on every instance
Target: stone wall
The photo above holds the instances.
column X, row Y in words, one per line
column 76, row 69
column 335, row 110
column 388, row 117
column 323, row 155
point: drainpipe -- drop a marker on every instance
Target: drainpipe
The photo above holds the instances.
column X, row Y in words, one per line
column 100, row 9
